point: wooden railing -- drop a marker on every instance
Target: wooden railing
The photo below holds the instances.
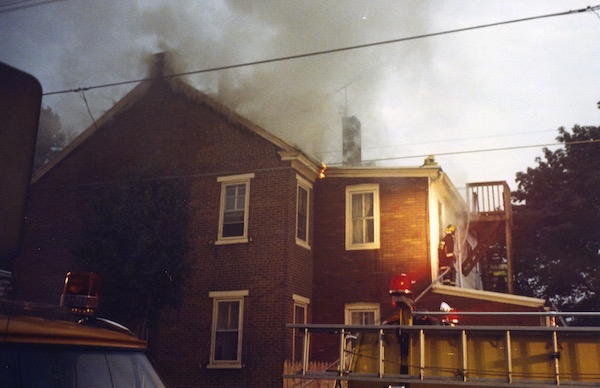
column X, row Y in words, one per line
column 295, row 367
column 488, row 197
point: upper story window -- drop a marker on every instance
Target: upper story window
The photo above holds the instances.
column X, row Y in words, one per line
column 362, row 217
column 233, row 216
column 226, row 336
column 303, row 211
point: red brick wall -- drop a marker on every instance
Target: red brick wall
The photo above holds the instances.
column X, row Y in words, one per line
column 184, row 140
column 363, row 275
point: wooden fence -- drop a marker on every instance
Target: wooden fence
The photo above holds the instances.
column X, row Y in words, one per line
column 293, row 367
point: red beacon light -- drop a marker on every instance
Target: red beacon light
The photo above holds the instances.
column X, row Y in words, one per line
column 401, row 285
column 401, row 291
column 80, row 293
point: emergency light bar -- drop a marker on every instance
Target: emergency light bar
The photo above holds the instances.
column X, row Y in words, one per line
column 81, row 293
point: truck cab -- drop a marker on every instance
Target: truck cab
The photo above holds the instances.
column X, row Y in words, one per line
column 37, row 351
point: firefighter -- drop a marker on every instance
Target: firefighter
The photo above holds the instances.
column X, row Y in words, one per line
column 450, row 319
column 425, row 319
column 446, row 256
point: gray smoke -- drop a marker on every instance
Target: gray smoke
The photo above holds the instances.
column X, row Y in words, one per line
column 489, row 88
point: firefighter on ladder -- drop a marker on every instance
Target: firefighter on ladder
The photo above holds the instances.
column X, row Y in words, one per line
column 446, row 256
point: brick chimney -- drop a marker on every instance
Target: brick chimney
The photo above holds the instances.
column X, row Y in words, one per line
column 351, row 139
column 158, row 64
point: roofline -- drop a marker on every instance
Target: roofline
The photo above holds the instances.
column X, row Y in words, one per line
column 303, row 163
column 490, row 296
column 433, row 173
column 384, row 172
column 181, row 87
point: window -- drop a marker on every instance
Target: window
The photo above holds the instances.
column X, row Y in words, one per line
column 300, row 316
column 233, row 220
column 303, row 211
column 362, row 217
column 361, row 314
column 226, row 338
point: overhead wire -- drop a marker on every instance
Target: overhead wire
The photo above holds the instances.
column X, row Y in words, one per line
column 88, row 108
column 15, row 5
column 329, row 51
column 445, row 141
column 592, row 9
column 580, row 142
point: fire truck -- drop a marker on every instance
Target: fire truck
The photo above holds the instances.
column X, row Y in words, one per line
column 432, row 349
column 39, row 350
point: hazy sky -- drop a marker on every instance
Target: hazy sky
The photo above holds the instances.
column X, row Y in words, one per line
column 507, row 86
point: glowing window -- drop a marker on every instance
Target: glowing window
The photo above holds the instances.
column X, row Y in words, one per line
column 362, row 217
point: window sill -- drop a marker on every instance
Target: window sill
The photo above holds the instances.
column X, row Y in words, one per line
column 362, row 247
column 240, row 240
column 303, row 244
column 225, row 365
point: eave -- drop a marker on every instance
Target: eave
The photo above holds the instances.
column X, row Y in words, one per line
column 489, row 296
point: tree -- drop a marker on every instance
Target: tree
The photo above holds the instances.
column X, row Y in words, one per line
column 50, row 138
column 557, row 223
column 136, row 239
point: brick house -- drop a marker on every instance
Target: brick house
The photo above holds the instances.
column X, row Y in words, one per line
column 271, row 242
column 252, row 260
column 410, row 208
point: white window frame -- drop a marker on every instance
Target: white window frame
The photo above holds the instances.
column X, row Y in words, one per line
column 302, row 302
column 220, row 297
column 305, row 185
column 233, row 180
column 362, row 307
column 357, row 190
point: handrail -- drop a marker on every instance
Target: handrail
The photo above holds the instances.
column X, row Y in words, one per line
column 337, row 328
column 551, row 360
column 515, row 313
column 429, row 287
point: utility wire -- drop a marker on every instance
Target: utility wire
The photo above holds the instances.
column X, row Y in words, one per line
column 332, row 51
column 15, row 5
column 445, row 141
column 88, row 108
column 579, row 142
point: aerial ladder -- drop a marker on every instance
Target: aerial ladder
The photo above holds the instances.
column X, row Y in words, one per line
column 432, row 349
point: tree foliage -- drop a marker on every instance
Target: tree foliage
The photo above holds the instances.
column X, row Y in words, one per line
column 136, row 239
column 557, row 223
column 51, row 139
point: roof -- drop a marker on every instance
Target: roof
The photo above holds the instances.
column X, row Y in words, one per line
column 434, row 173
column 157, row 74
column 489, row 296
column 34, row 330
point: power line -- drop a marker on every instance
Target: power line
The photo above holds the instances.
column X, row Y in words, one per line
column 15, row 5
column 580, row 142
column 332, row 51
column 445, row 141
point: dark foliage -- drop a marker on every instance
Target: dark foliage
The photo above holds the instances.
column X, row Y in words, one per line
column 557, row 223
column 51, row 139
column 136, row 239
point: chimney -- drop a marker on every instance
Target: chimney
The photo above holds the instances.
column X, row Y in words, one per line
column 351, row 139
column 158, row 64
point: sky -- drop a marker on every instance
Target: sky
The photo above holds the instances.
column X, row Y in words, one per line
column 483, row 101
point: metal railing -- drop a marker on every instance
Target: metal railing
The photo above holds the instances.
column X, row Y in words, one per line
column 527, row 356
